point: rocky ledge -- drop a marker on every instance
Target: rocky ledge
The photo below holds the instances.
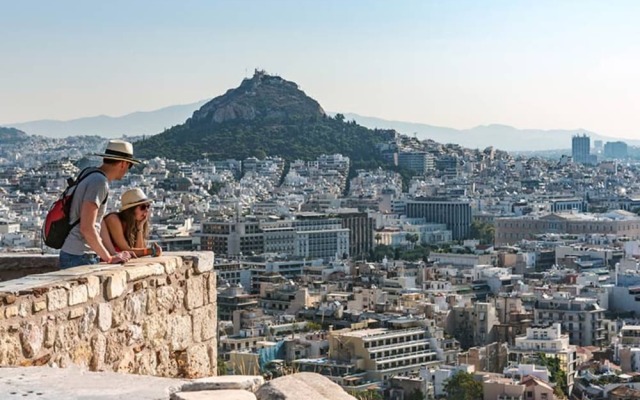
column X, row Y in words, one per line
column 47, row 383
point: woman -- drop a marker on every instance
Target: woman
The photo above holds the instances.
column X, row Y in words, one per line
column 128, row 229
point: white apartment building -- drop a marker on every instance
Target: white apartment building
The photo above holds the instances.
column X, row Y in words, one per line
column 551, row 342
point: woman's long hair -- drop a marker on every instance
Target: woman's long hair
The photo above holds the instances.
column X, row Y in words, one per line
column 130, row 226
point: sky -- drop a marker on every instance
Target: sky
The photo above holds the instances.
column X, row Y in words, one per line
column 454, row 63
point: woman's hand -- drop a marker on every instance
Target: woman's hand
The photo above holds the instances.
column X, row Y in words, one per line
column 158, row 249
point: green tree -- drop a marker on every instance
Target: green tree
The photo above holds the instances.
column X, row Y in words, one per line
column 369, row 394
column 483, row 231
column 416, row 394
column 412, row 238
column 222, row 367
column 462, row 386
column 557, row 375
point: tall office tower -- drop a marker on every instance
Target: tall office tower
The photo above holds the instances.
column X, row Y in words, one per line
column 581, row 148
column 456, row 214
column 616, row 150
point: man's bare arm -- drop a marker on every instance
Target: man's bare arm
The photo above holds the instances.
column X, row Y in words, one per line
column 88, row 216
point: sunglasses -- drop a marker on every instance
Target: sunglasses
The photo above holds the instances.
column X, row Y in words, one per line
column 145, row 207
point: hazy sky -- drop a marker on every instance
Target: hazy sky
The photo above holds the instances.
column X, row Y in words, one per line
column 529, row 64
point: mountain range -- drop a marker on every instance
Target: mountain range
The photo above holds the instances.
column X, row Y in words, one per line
column 152, row 122
column 134, row 124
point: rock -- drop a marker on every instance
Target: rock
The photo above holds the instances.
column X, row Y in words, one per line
column 57, row 299
column 214, row 394
column 195, row 292
column 116, row 284
column 179, row 332
column 78, row 294
column 302, row 386
column 31, row 338
column 225, row 382
column 104, row 316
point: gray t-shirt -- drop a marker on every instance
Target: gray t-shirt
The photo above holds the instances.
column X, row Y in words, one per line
column 93, row 188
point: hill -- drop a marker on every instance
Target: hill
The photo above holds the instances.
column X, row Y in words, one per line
column 12, row 136
column 502, row 137
column 134, row 124
column 265, row 115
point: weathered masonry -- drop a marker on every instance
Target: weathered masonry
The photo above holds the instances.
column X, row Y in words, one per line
column 153, row 316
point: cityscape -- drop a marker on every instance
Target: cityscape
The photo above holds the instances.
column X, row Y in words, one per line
column 361, row 200
column 481, row 262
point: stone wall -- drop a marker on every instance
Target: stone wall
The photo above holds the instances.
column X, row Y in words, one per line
column 152, row 316
column 15, row 266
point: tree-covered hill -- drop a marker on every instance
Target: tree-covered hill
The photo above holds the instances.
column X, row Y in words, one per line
column 266, row 115
column 12, row 135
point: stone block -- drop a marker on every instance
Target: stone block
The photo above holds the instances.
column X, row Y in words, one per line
column 88, row 319
column 152, row 301
column 78, row 295
column 93, row 286
column 81, row 354
column 171, row 264
column 118, row 314
column 166, row 298
column 76, row 313
column 167, row 366
column 195, row 292
column 49, row 334
column 31, row 338
column 11, row 311
column 179, row 332
column 138, row 272
column 99, row 348
column 116, row 284
column 23, row 309
column 136, row 306
column 194, row 363
column 10, row 350
column 39, row 305
column 115, row 348
column 145, row 363
column 303, row 385
column 10, row 298
column 214, row 394
column 204, row 323
column 212, row 349
column 212, row 291
column 154, row 328
column 57, row 299
column 203, row 262
column 104, row 316
column 225, row 382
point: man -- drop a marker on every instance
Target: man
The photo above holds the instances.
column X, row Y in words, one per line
column 84, row 246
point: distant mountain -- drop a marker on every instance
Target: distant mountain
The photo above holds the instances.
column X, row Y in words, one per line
column 134, row 124
column 502, row 137
column 265, row 115
column 12, row 136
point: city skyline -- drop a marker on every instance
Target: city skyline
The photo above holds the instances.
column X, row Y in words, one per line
column 544, row 65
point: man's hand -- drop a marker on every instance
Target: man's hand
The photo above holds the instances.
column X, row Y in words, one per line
column 120, row 258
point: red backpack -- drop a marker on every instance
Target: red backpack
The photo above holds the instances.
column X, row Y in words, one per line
column 57, row 225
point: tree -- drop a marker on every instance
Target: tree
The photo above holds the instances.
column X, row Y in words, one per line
column 483, row 231
column 557, row 375
column 412, row 238
column 462, row 386
column 416, row 394
column 222, row 367
column 369, row 394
